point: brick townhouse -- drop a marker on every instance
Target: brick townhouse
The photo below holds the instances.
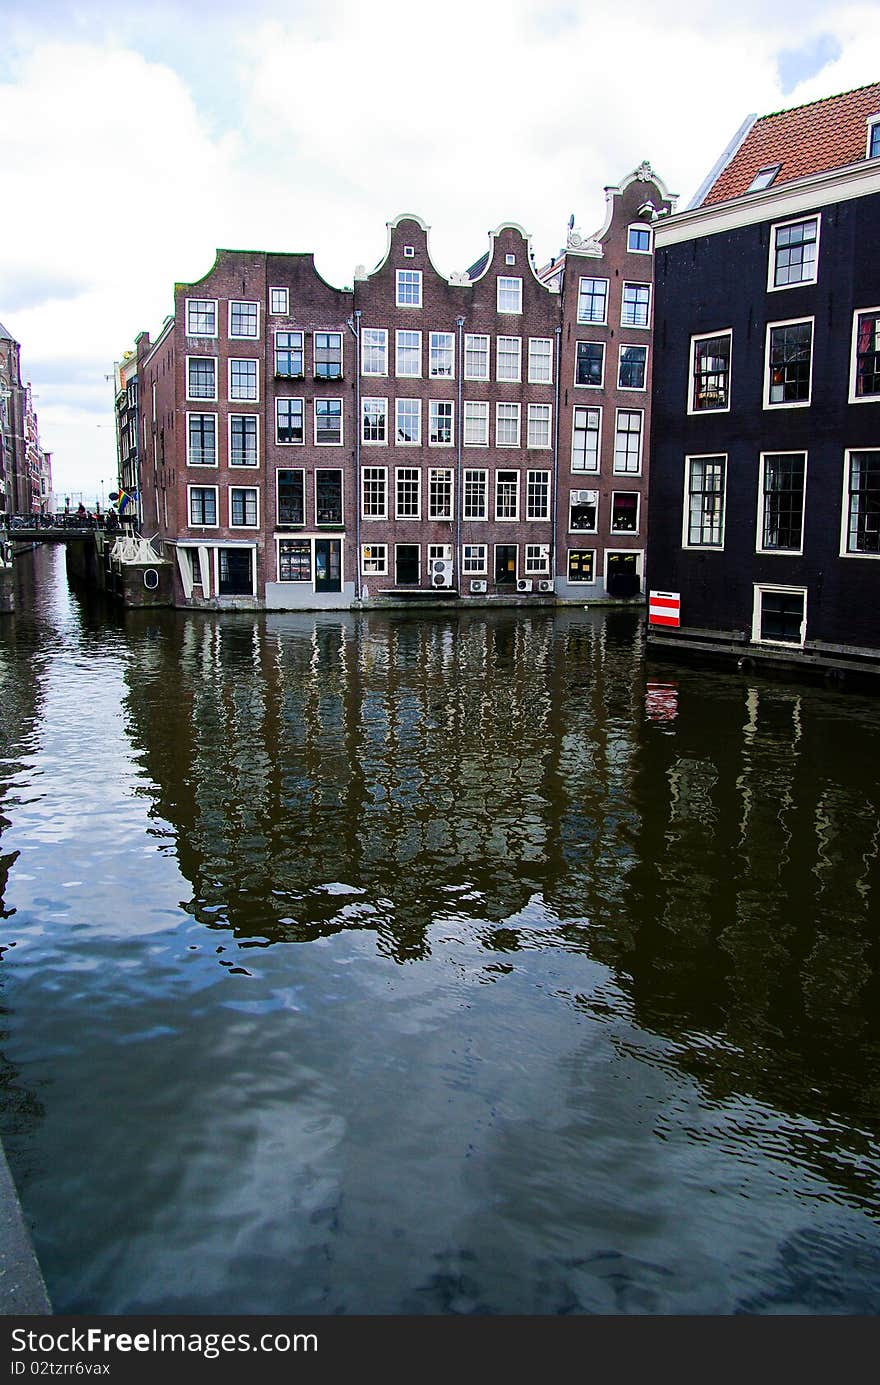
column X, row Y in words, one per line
column 470, row 437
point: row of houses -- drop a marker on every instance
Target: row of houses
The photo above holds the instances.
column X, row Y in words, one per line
column 25, row 466
column 488, row 435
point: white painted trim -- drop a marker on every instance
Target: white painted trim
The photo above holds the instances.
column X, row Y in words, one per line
column 397, row 515
column 539, row 446
column 686, row 506
column 408, row 399
column 795, row 403
column 323, row 532
column 761, row 587
column 451, row 403
column 449, row 472
column 328, row 332
column 508, row 379
column 482, row 404
column 382, row 332
column 418, row 279
column 543, row 341
column 242, row 399
column 374, row 571
column 853, row 397
column 691, row 383
column 571, row 501
column 201, row 398
column 771, row 257
column 208, row 413
column 624, row 409
column 290, row 399
column 870, row 123
column 374, row 399
column 279, row 312
column 198, row 336
column 593, row 279
column 509, row 404
column 233, row 486
column 302, row 472
column 507, row 519
column 373, row 519
column 759, row 519
column 845, row 551
column 448, row 345
column 636, row 326
column 548, row 475
column 638, row 346
column 290, row 332
column 197, row 485
column 637, row 553
column 242, row 466
column 568, row 578
column 405, row 374
column 617, row 532
column 329, row 399
column 508, row 279
column 475, row 571
column 585, row 341
column 403, row 543
column 237, row 336
column 483, row 473
column 478, row 336
column 587, row 407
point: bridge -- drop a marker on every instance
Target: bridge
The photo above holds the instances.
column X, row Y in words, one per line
column 58, row 528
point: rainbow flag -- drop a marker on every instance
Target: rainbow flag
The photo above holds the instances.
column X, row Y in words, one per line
column 126, row 498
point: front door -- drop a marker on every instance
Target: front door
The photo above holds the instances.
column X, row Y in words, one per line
column 505, row 564
column 406, row 564
column 236, row 572
column 328, row 565
column 623, row 575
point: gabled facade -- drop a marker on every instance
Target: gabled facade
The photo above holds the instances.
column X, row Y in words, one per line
column 25, row 468
column 765, row 501
column 126, row 409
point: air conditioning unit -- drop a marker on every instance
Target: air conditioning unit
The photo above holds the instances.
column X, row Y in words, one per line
column 478, row 586
column 441, row 572
column 545, row 584
column 524, row 584
column 585, row 497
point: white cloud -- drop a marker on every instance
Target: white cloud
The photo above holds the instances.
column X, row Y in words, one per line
column 309, row 127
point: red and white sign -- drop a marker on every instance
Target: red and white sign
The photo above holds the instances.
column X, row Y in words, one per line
column 664, row 608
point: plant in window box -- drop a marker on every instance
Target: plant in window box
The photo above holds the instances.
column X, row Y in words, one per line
column 327, row 375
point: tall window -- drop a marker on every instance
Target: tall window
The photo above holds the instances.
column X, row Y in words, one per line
column 201, row 440
column 201, row 317
column 289, row 421
column 592, row 300
column 628, row 441
column 328, row 422
column 440, row 420
column 374, row 415
column 374, row 559
column 507, row 425
column 201, row 377
column 789, row 361
column 782, row 502
column 590, row 363
column 278, row 302
column 442, row 356
column 793, row 255
column 409, row 288
column 540, row 361
column 243, row 440
column 203, row 505
column 408, row 430
column 711, row 373
column 509, row 295
column 538, row 495
column 409, row 354
column 291, row 496
column 243, row 507
column 476, row 494
column 583, row 511
column 867, row 353
column 507, row 495
column 374, row 492
column 374, row 351
column 294, row 560
column 476, row 423
column 874, row 140
column 585, row 428
column 327, row 348
column 244, row 319
column 624, row 512
column 508, row 358
column 636, row 305
column 328, row 497
column 538, row 430
column 476, row 358
column 289, row 354
column 537, row 557
column 705, row 502
column 863, row 503
column 473, row 558
column 243, row 379
column 440, row 493
column 633, row 368
column 408, row 504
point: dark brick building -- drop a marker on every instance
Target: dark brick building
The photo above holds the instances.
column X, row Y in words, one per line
column 765, row 496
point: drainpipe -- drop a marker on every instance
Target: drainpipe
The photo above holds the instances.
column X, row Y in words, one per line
column 459, row 498
column 355, row 328
column 555, row 504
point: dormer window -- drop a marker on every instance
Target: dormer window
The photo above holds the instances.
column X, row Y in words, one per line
column 638, row 240
column 873, row 150
column 763, row 178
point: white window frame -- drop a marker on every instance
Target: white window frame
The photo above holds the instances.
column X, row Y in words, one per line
column 200, row 302
column 196, row 485
column 239, row 336
column 291, row 522
column 482, row 406
column 285, row 310
column 640, row 226
column 776, row 227
column 474, row 563
column 592, row 321
column 290, row 332
column 472, row 337
column 415, row 277
column 587, row 409
column 853, row 363
column 374, row 571
column 374, row 346
column 578, row 549
column 509, row 404
column 208, row 413
column 514, row 518
column 537, row 559
column 483, row 474
column 324, row 525
column 398, row 471
column 417, row 440
column 507, row 280
column 583, row 385
column 449, row 345
column 571, row 502
column 692, row 383
column 633, row 346
column 243, row 398
column 548, row 482
column 759, row 526
column 686, row 503
column 791, row 588
column 845, row 551
column 514, row 354
column 256, row 491
column 243, row 466
column 285, row 399
column 615, row 533
column 208, row 398
column 615, row 470
column 323, row 380
column 434, row 473
column 794, row 403
column 534, row 358
column 300, row 539
column 328, row 399
column 374, row 399
column 636, row 326
column 432, row 403
column 407, row 374
column 872, row 123
column 379, row 470
column 534, row 411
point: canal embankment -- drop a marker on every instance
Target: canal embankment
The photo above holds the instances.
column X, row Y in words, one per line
column 22, row 1288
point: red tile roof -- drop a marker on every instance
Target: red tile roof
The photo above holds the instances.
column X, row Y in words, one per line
column 808, row 139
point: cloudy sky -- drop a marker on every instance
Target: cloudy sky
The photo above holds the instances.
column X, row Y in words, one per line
column 140, row 136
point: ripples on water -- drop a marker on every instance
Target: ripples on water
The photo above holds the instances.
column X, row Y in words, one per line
column 431, row 964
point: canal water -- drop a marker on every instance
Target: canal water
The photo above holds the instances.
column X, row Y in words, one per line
column 432, row 963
